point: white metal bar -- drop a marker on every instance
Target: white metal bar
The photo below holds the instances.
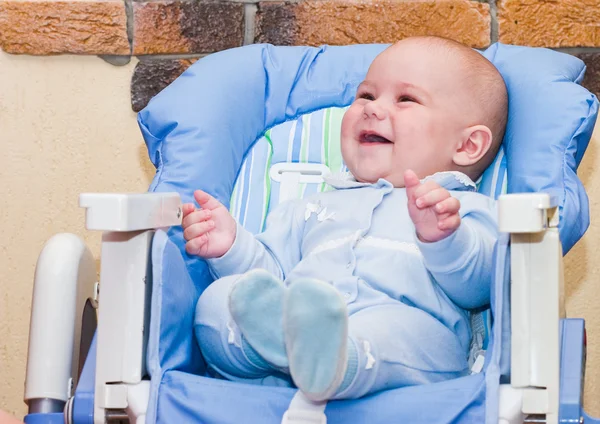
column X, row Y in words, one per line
column 65, row 276
column 122, row 317
column 510, row 405
column 520, row 367
column 537, row 299
column 137, row 402
column 128, row 222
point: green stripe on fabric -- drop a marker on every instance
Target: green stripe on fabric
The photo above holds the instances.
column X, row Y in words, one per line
column 267, row 191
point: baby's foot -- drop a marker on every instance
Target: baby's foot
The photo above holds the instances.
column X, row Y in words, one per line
column 316, row 337
column 256, row 304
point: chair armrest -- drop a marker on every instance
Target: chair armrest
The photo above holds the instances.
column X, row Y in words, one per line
column 537, row 304
column 128, row 223
column 527, row 212
column 131, row 212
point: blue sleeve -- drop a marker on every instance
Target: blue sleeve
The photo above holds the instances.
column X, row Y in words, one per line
column 277, row 249
column 462, row 263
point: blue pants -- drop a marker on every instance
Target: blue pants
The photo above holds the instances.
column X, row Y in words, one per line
column 397, row 345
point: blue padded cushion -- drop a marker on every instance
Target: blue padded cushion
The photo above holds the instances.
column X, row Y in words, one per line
column 199, row 128
column 180, row 392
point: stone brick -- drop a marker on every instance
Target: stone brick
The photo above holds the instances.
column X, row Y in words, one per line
column 151, row 77
column 334, row 22
column 276, row 24
column 565, row 23
column 186, row 27
column 591, row 81
column 52, row 27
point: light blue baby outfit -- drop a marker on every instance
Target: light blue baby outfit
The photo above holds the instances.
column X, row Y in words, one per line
column 407, row 301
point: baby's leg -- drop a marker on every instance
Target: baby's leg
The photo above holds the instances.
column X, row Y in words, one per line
column 256, row 305
column 315, row 321
column 221, row 342
column 398, row 345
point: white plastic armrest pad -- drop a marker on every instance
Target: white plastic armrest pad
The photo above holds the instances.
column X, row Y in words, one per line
column 131, row 212
column 524, row 212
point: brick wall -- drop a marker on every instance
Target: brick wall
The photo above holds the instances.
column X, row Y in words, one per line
column 168, row 35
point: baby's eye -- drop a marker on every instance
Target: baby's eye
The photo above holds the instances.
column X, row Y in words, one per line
column 366, row 96
column 403, row 99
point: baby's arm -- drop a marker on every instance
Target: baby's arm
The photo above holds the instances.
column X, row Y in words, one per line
column 212, row 233
column 457, row 240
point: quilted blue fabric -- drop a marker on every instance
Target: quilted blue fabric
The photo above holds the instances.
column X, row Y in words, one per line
column 198, row 131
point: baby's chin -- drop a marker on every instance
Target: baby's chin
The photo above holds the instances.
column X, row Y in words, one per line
column 397, row 182
column 363, row 177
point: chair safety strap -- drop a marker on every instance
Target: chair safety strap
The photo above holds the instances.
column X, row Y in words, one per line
column 304, row 411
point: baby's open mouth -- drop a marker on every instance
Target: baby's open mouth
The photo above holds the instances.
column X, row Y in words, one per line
column 366, row 137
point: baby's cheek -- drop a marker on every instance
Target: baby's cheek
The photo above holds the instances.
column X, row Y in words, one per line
column 350, row 117
column 349, row 131
column 410, row 127
column 347, row 148
column 410, row 136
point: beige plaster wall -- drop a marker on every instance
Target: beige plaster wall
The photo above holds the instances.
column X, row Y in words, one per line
column 582, row 275
column 66, row 127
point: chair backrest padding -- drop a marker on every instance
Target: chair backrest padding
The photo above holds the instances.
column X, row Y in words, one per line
column 199, row 128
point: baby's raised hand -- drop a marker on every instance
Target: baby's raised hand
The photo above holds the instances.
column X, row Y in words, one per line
column 431, row 207
column 210, row 230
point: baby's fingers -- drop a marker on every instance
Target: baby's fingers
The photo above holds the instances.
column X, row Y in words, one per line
column 206, row 201
column 199, row 215
column 432, row 197
column 198, row 229
column 187, row 209
column 451, row 205
column 193, row 246
column 450, row 223
column 411, row 181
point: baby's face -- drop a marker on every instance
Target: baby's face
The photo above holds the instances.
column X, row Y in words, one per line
column 408, row 114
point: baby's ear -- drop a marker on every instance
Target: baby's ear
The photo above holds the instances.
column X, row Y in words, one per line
column 475, row 143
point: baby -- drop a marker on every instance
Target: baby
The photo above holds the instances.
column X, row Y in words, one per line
column 366, row 287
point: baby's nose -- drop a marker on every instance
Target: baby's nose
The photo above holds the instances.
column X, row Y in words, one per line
column 374, row 109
